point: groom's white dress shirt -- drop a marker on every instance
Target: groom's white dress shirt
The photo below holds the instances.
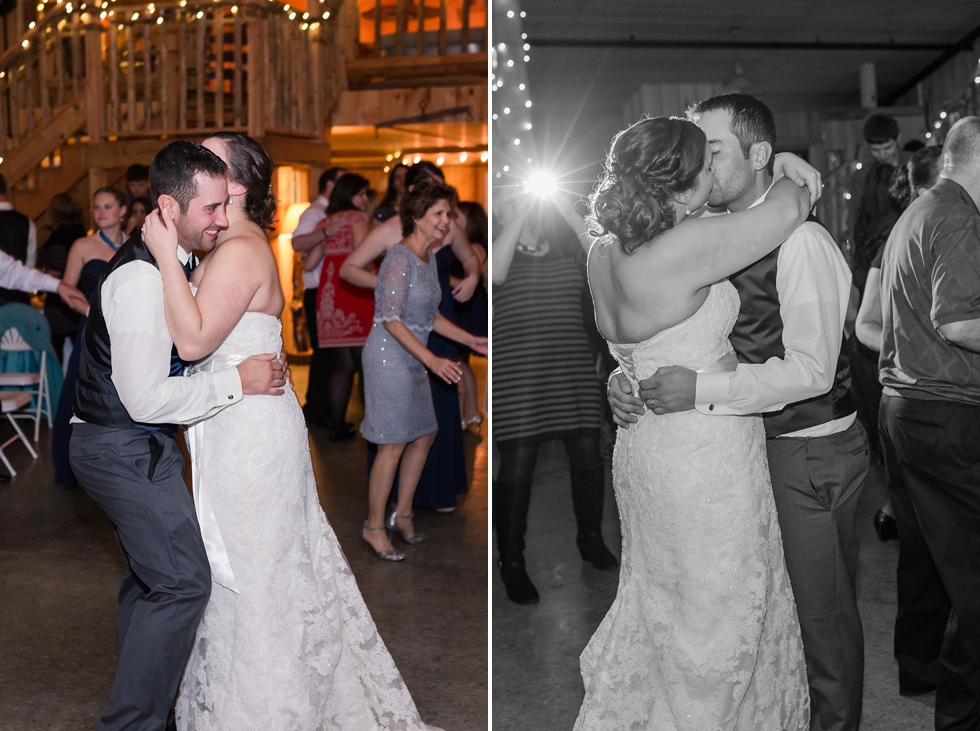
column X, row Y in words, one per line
column 814, row 284
column 132, row 305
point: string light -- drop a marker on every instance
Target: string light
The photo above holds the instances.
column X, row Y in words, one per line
column 942, row 115
column 462, row 157
column 484, row 156
column 440, row 160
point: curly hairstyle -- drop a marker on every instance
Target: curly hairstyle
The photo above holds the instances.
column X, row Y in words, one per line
column 648, row 164
column 344, row 190
column 418, row 201
column 252, row 167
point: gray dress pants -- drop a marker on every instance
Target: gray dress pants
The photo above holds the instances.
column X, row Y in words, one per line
column 136, row 476
column 816, row 484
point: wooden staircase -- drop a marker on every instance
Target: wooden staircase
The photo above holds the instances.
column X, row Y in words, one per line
column 91, row 89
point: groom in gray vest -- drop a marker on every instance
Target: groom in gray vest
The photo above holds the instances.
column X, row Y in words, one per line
column 128, row 403
column 793, row 370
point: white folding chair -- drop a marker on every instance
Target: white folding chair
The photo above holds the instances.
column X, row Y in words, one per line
column 34, row 383
column 11, row 402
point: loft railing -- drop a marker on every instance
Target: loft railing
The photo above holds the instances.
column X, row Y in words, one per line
column 163, row 69
column 398, row 28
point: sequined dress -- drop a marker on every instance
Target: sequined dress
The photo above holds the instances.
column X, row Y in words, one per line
column 703, row 634
column 398, row 399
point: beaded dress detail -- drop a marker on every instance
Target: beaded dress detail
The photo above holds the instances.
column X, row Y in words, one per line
column 703, row 634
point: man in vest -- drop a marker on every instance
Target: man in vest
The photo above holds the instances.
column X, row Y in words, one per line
column 128, row 403
column 793, row 370
column 18, row 237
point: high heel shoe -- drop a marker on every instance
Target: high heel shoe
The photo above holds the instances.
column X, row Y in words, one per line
column 393, row 529
column 392, row 555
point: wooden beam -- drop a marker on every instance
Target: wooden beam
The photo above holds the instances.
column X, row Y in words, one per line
column 412, row 71
column 294, row 151
column 94, row 83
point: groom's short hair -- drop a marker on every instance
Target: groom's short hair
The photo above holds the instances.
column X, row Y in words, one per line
column 752, row 121
column 174, row 168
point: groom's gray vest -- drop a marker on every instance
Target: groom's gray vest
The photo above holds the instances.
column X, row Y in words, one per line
column 758, row 336
column 96, row 400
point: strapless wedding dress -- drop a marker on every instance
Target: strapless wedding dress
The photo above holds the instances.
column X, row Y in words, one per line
column 286, row 642
column 703, row 634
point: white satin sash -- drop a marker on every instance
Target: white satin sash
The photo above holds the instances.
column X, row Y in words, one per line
column 221, row 571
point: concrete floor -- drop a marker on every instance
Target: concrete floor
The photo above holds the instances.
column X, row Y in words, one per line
column 60, row 567
column 536, row 681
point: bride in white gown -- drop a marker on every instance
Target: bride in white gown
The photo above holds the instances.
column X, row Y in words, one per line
column 286, row 642
column 703, row 634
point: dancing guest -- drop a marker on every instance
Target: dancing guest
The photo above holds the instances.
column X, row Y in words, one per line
column 65, row 217
column 444, row 475
column 388, row 208
column 343, row 312
column 930, row 414
column 545, row 385
column 472, row 315
column 305, row 237
column 399, row 416
column 87, row 261
column 919, row 175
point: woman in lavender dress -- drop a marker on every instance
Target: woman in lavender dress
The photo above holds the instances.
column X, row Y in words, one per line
column 399, row 416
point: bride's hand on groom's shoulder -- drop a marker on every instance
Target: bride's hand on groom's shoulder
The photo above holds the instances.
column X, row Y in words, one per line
column 786, row 164
column 160, row 234
column 626, row 407
column 669, row 390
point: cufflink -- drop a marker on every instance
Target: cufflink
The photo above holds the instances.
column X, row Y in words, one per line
column 711, row 407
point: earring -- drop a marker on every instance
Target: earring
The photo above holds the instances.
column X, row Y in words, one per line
column 687, row 211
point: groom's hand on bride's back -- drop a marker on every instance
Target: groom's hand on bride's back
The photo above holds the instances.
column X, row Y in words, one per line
column 669, row 390
column 263, row 375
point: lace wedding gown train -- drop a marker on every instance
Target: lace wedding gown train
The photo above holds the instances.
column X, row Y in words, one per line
column 286, row 642
column 703, row 634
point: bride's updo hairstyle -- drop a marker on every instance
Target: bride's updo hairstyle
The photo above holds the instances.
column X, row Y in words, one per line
column 252, row 167
column 649, row 164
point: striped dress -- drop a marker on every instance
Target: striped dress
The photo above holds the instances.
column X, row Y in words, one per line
column 545, row 384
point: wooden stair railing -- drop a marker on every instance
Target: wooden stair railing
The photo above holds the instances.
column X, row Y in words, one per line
column 112, row 72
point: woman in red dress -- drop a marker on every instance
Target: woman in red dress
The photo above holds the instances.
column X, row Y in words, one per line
column 344, row 312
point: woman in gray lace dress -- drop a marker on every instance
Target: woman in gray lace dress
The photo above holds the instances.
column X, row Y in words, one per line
column 399, row 416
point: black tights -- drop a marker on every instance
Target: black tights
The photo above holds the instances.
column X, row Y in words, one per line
column 512, row 489
column 342, row 364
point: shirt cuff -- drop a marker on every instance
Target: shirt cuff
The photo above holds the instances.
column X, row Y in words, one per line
column 709, row 390
column 49, row 283
column 227, row 386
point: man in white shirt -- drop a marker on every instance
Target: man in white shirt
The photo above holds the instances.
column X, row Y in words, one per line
column 307, row 236
column 794, row 372
column 18, row 237
column 128, row 402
